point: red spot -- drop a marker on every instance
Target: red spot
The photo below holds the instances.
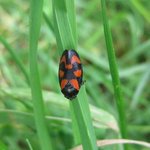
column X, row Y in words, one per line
column 68, row 66
column 77, row 73
column 63, row 83
column 75, row 59
column 74, row 83
column 61, row 73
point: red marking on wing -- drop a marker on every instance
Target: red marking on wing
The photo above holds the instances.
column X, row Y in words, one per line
column 77, row 73
column 63, row 59
column 75, row 59
column 68, row 66
column 74, row 83
column 61, row 73
column 63, row 83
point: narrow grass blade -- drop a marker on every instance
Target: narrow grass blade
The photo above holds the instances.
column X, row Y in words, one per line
column 15, row 57
column 114, row 73
column 9, row 74
column 75, row 127
column 72, row 18
column 64, row 41
column 137, row 51
column 101, row 118
column 83, row 117
column 48, row 22
column 29, row 144
column 65, row 32
column 35, row 23
column 108, row 142
column 141, row 9
column 140, row 87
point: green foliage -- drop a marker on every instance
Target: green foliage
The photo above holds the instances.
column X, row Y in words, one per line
column 114, row 73
column 76, row 25
column 38, row 105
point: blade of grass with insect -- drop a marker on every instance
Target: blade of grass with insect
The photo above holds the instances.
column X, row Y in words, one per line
column 35, row 23
column 65, row 32
column 114, row 73
column 15, row 58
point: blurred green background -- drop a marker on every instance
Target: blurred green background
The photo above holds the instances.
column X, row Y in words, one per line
column 130, row 25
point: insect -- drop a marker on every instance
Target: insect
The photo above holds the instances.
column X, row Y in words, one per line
column 70, row 73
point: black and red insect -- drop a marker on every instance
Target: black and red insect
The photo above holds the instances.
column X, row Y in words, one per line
column 70, row 73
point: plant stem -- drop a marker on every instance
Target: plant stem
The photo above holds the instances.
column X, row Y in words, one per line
column 16, row 58
column 114, row 73
column 65, row 32
column 35, row 23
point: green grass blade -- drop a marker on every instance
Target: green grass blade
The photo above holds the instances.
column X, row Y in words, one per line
column 137, row 51
column 141, row 9
column 35, row 23
column 65, row 32
column 75, row 128
column 72, row 18
column 83, row 117
column 48, row 22
column 64, row 41
column 29, row 144
column 140, row 87
column 114, row 73
column 51, row 98
column 15, row 58
column 9, row 74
